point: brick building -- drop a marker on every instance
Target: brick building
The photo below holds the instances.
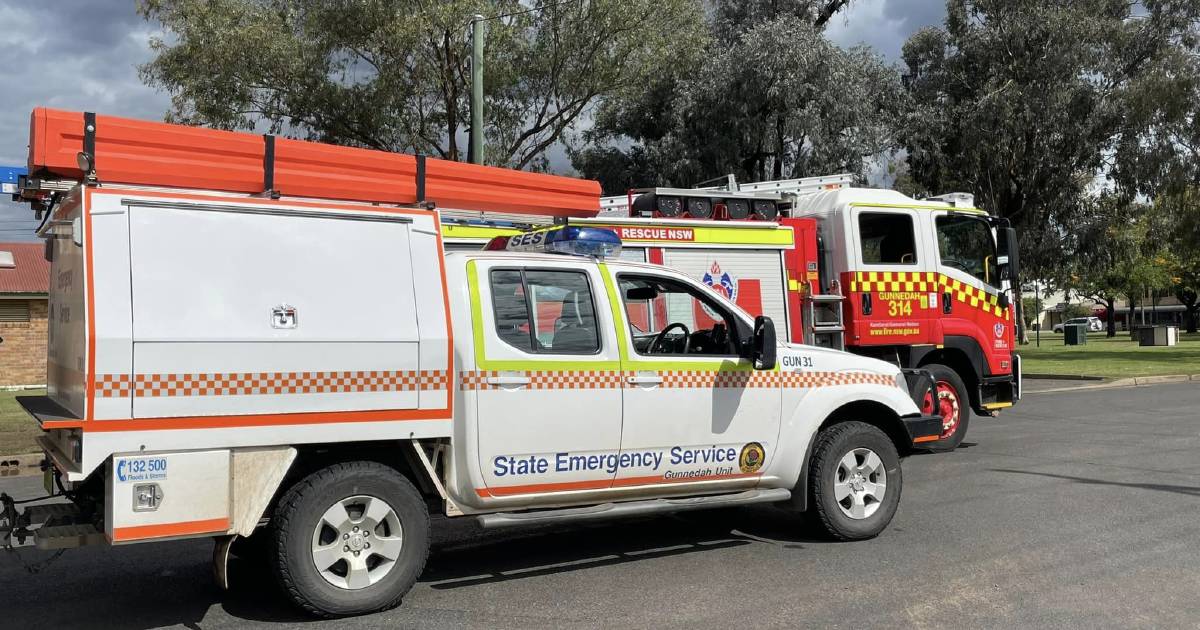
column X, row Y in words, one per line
column 24, row 298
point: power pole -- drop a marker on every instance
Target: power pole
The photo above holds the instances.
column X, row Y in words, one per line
column 475, row 148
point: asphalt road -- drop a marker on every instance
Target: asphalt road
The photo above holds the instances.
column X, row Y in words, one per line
column 1077, row 509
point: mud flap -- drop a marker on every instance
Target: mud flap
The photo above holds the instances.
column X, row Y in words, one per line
column 221, row 547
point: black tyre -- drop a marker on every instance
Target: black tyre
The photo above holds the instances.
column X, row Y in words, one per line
column 350, row 539
column 854, row 480
column 952, row 403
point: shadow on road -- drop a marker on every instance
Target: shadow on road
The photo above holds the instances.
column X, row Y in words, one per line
column 1187, row 490
column 478, row 556
column 164, row 584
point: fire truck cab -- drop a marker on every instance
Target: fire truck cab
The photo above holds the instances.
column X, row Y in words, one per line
column 926, row 284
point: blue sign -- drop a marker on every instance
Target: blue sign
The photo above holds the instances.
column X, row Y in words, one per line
column 8, row 178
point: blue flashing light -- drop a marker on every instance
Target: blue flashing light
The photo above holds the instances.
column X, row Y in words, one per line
column 574, row 241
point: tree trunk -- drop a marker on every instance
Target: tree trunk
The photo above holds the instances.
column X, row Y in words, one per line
column 1110, row 314
column 1132, row 305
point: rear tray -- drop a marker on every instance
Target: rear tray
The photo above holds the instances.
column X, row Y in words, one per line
column 49, row 414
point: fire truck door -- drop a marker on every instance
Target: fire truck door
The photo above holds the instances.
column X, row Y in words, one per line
column 966, row 258
column 548, row 382
column 892, row 290
column 694, row 410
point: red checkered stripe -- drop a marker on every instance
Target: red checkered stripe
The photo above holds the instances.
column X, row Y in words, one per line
column 268, row 383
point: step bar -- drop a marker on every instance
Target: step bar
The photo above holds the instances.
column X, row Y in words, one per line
column 606, row 511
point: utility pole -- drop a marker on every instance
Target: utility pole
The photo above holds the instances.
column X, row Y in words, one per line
column 475, row 148
column 1037, row 306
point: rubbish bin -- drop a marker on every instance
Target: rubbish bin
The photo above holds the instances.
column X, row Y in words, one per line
column 1075, row 334
column 1159, row 336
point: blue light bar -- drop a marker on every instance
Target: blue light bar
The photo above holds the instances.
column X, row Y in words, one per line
column 574, row 241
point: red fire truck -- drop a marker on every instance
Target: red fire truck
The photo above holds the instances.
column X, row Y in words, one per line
column 921, row 283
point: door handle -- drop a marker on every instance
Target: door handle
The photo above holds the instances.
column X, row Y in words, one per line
column 507, row 380
column 866, row 304
column 947, row 305
column 645, row 380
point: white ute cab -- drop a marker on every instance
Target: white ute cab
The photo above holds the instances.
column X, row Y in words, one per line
column 307, row 383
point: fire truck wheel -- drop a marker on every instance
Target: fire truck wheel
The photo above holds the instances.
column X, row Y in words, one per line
column 350, row 539
column 854, row 480
column 952, row 404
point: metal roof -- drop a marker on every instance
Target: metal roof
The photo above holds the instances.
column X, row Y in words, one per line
column 31, row 274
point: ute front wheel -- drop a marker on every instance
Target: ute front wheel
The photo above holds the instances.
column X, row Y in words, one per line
column 350, row 539
column 854, row 480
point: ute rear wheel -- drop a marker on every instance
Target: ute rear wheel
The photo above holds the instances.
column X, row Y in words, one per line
column 950, row 401
column 854, row 480
column 350, row 539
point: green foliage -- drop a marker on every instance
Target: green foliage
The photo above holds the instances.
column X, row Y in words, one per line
column 769, row 97
column 1030, row 310
column 1025, row 102
column 1073, row 311
column 1180, row 231
column 394, row 75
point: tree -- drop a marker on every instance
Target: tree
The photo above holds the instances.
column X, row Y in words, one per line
column 1180, row 232
column 1025, row 102
column 394, row 75
column 770, row 98
column 1116, row 251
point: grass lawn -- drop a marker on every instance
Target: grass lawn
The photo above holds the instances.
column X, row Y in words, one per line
column 17, row 429
column 1118, row 357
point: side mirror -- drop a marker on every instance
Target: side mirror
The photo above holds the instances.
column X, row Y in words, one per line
column 1011, row 267
column 762, row 347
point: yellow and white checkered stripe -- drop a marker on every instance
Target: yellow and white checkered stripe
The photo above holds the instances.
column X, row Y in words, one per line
column 927, row 282
column 672, row 379
column 268, row 383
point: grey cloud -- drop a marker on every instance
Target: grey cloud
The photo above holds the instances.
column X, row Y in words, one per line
column 885, row 24
column 68, row 54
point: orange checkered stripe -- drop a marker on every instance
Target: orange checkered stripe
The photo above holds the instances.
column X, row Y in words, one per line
column 268, row 383
column 565, row 379
column 830, row 379
column 672, row 379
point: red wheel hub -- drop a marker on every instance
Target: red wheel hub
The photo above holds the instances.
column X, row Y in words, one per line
column 945, row 406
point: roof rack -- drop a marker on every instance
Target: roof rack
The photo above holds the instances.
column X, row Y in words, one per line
column 70, row 148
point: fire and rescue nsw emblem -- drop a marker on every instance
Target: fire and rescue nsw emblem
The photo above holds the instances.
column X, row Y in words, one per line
column 999, row 330
column 722, row 283
column 751, row 458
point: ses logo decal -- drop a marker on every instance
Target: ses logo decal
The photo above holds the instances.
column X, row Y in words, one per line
column 751, row 458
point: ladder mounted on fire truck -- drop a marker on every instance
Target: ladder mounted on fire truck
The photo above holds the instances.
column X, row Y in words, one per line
column 776, row 191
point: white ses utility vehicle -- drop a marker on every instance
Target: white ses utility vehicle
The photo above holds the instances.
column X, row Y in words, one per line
column 322, row 376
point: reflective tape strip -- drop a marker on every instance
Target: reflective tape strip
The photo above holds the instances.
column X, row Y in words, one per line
column 268, row 383
column 928, row 281
column 672, row 379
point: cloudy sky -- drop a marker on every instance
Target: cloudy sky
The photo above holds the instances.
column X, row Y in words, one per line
column 83, row 55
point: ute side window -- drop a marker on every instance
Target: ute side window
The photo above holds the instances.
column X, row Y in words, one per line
column 670, row 318
column 544, row 311
column 887, row 238
column 965, row 243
